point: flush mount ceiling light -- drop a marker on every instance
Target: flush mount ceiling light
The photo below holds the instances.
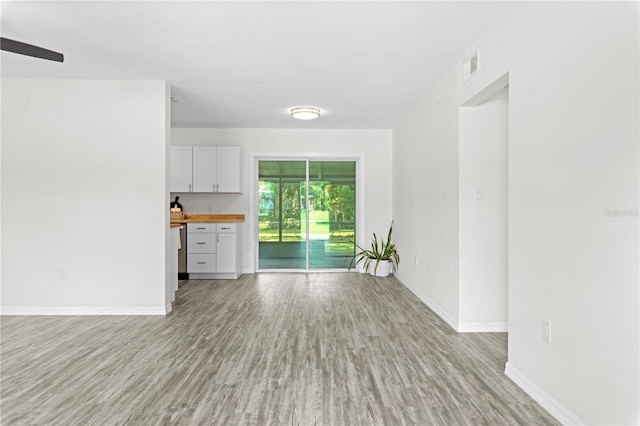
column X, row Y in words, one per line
column 305, row 113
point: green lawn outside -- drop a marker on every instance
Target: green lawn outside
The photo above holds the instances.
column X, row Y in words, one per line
column 338, row 242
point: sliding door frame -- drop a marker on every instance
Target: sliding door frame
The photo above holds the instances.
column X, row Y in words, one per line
column 254, row 158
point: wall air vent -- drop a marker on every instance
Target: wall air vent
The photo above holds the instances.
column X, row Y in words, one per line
column 470, row 68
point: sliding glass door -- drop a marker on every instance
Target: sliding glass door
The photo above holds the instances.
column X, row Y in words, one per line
column 306, row 214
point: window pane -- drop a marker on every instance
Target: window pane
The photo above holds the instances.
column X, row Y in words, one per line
column 332, row 213
column 281, row 202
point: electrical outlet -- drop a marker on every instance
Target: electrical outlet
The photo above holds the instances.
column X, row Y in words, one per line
column 546, row 331
column 62, row 274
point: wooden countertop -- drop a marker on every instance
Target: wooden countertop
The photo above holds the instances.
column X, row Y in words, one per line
column 213, row 218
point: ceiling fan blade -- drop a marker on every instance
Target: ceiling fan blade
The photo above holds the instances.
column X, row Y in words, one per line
column 29, row 50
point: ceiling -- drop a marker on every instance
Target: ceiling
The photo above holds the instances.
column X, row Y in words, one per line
column 245, row 64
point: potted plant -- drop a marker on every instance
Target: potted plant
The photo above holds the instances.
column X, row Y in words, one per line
column 378, row 259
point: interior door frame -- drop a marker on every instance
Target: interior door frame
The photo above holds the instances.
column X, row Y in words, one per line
column 254, row 158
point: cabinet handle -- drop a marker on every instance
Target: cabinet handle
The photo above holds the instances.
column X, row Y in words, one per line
column 213, row 187
column 201, row 228
column 201, row 263
column 217, row 187
column 227, row 228
column 189, row 187
column 201, row 243
column 217, row 238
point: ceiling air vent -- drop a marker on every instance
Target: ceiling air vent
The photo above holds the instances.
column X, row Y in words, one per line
column 470, row 68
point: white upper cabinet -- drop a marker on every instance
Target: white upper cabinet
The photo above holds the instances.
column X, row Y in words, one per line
column 181, row 169
column 210, row 169
column 204, row 169
column 229, row 165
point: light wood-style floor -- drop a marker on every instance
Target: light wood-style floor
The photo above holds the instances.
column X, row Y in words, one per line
column 302, row 349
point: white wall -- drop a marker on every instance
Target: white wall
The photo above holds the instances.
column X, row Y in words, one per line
column 425, row 198
column 483, row 223
column 573, row 159
column 374, row 145
column 1, row 196
column 84, row 188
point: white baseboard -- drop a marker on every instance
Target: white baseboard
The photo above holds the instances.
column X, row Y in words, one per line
column 55, row 310
column 214, row 276
column 168, row 308
column 558, row 410
column 430, row 303
column 460, row 327
column 483, row 327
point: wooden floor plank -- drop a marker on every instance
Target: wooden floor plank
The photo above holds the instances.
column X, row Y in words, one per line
column 305, row 349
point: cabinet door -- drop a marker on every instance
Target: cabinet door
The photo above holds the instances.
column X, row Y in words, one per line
column 180, row 169
column 226, row 255
column 229, row 173
column 204, row 169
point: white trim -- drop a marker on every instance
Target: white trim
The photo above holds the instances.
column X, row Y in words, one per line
column 214, row 276
column 168, row 308
column 253, row 210
column 360, row 202
column 483, row 327
column 464, row 327
column 307, row 214
column 558, row 410
column 430, row 303
column 84, row 310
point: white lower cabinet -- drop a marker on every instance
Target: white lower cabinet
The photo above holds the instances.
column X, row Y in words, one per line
column 214, row 250
column 201, row 248
column 226, row 253
column 201, row 263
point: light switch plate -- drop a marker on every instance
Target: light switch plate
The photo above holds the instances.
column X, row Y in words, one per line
column 546, row 331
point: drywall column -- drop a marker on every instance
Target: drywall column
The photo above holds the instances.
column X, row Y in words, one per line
column 483, row 216
column 573, row 203
column 84, row 195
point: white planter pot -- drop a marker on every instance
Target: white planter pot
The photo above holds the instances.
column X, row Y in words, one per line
column 383, row 269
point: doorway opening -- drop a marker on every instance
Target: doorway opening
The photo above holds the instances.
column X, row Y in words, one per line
column 484, row 211
column 306, row 214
